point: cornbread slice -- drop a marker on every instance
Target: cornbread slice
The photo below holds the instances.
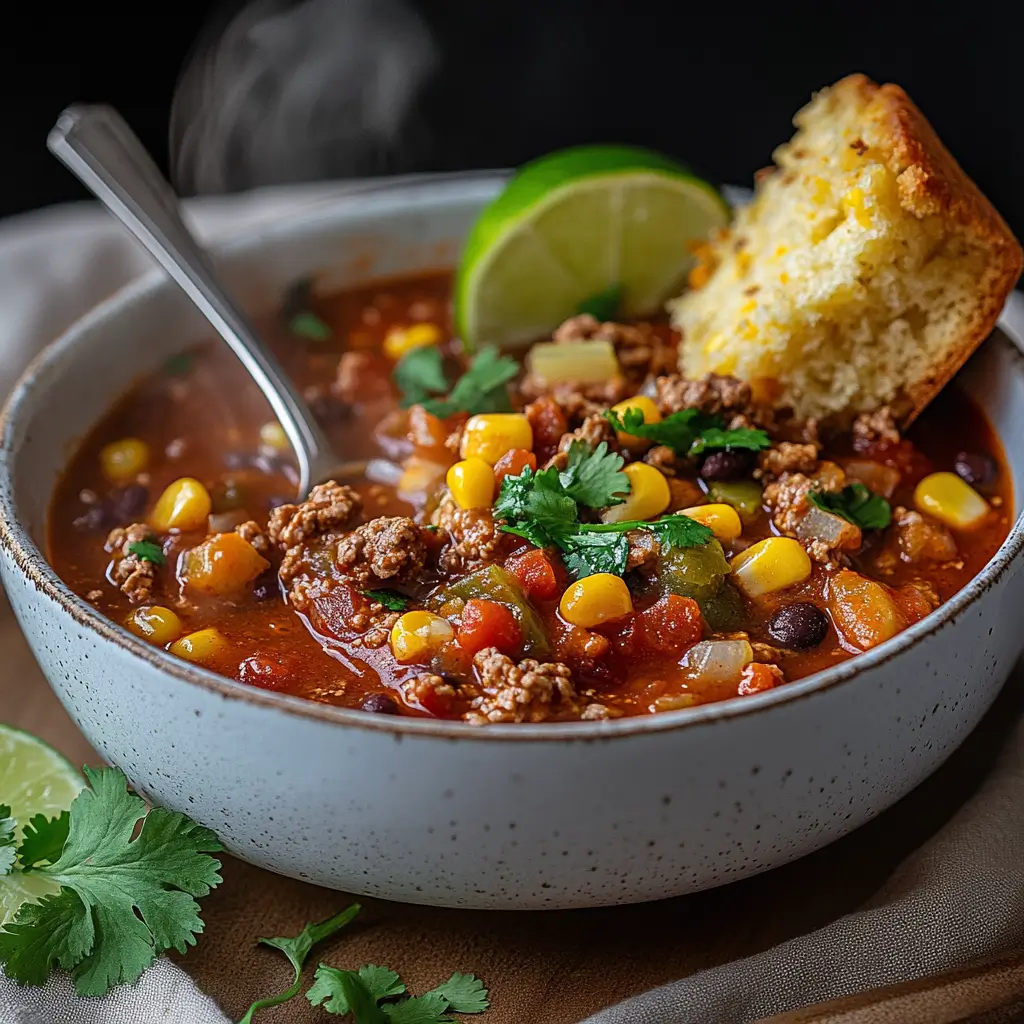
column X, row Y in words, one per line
column 864, row 273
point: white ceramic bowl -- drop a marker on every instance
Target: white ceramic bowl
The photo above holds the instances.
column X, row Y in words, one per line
column 444, row 813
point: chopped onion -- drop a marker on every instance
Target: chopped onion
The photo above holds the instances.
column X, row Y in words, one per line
column 588, row 361
column 383, row 471
column 833, row 530
column 718, row 661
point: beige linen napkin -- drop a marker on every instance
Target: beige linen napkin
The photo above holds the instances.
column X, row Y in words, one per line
column 958, row 899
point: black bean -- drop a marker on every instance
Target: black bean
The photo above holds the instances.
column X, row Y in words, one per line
column 380, row 704
column 265, row 586
column 727, row 465
column 128, row 503
column 798, row 626
column 974, row 469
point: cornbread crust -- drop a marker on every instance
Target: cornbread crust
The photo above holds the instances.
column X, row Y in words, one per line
column 860, row 320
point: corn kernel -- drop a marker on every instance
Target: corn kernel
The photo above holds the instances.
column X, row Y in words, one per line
column 722, row 520
column 650, row 411
column 649, row 495
column 770, row 565
column 417, row 636
column 201, row 646
column 123, row 460
column 594, row 600
column 471, row 482
column 184, row 505
column 273, row 436
column 155, row 623
column 490, row 435
column 950, row 500
column 399, row 341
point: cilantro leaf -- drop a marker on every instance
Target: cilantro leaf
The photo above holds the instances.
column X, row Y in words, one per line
column 677, row 431
column 465, row 993
column 604, row 305
column 535, row 507
column 482, row 388
column 356, row 992
column 392, row 600
column 43, row 840
column 310, row 326
column 675, row 531
column 296, row 949
column 148, row 551
column 123, row 900
column 431, row 1008
column 8, row 847
column 594, row 476
column 586, row 554
column 856, row 504
column 420, row 374
column 715, row 438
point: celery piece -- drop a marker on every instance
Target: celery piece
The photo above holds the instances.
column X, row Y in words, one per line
column 587, row 361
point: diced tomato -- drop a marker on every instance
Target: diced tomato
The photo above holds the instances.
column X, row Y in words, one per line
column 755, row 678
column 488, row 624
column 534, row 571
column 512, row 463
column 548, row 422
column 912, row 602
column 268, row 671
column 671, row 625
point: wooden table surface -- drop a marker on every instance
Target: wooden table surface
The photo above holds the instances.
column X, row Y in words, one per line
column 555, row 967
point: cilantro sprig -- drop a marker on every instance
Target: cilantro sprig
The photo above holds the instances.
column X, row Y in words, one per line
column 148, row 551
column 543, row 508
column 392, row 600
column 856, row 504
column 8, row 845
column 482, row 388
column 605, row 304
column 688, row 432
column 123, row 899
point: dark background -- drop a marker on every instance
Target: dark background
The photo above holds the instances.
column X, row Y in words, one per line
column 716, row 87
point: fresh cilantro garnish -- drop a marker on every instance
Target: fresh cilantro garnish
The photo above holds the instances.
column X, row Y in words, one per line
column 604, row 305
column 8, row 847
column 148, row 551
column 43, row 840
column 392, row 600
column 296, row 949
column 420, row 374
column 310, row 326
column 482, row 388
column 688, row 431
column 856, row 504
column 372, row 995
column 744, row 437
column 122, row 900
column 543, row 508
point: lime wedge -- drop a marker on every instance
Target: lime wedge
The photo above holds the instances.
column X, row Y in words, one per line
column 573, row 225
column 34, row 779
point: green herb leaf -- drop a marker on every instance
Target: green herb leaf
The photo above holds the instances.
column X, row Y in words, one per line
column 420, row 374
column 123, row 900
column 482, row 388
column 332, row 988
column 856, row 504
column 585, row 554
column 296, row 949
column 678, row 431
column 535, row 507
column 594, row 477
column 309, row 326
column 43, row 840
column 148, row 551
column 715, row 438
column 392, row 600
column 675, row 531
column 604, row 305
column 8, row 847
column 425, row 1009
column 465, row 993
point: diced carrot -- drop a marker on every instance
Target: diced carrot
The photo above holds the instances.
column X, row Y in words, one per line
column 756, row 677
column 534, row 571
column 488, row 624
column 513, row 463
column 671, row 625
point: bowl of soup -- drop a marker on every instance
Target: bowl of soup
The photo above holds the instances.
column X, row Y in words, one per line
column 394, row 687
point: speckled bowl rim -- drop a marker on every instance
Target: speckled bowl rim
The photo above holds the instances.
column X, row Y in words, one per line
column 33, row 565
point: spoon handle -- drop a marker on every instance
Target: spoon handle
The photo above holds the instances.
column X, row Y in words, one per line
column 99, row 148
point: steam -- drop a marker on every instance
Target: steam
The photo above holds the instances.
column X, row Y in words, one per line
column 302, row 92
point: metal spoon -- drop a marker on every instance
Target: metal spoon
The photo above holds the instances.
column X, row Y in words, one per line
column 99, row 148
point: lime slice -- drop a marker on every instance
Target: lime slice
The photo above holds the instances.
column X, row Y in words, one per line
column 34, row 779
column 573, row 225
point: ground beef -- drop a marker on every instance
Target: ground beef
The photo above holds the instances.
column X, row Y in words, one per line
column 530, row 691
column 643, row 548
column 712, row 394
column 663, row 459
column 253, row 533
column 362, row 621
column 640, row 351
column 592, row 431
column 134, row 576
column 875, row 427
column 386, row 548
column 922, row 539
column 355, row 370
column 429, row 689
column 684, row 493
column 577, row 399
column 599, row 713
column 473, row 535
column 787, row 457
column 327, row 511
